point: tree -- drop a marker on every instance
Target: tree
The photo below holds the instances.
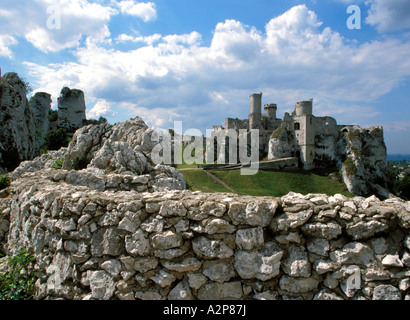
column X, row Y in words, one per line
column 53, row 115
column 56, row 139
column 402, row 188
column 102, row 120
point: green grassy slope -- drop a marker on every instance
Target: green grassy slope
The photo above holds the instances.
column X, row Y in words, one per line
column 197, row 180
column 265, row 183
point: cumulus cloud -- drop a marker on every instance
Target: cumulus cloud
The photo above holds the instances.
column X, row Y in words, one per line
column 293, row 59
column 101, row 108
column 55, row 25
column 144, row 10
column 5, row 42
column 149, row 40
column 387, row 15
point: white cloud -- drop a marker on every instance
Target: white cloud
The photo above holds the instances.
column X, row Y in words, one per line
column 176, row 76
column 54, row 25
column 219, row 98
column 234, row 43
column 397, row 126
column 157, row 118
column 5, row 42
column 190, row 39
column 43, row 40
column 101, row 108
column 5, row 13
column 144, row 10
column 149, row 40
column 388, row 15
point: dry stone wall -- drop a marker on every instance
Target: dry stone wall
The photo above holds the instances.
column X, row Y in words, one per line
column 92, row 244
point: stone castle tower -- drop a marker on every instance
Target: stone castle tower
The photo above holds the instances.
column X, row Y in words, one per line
column 255, row 115
column 300, row 135
column 304, row 132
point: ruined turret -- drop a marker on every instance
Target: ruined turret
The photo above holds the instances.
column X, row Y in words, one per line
column 256, row 111
column 304, row 132
column 270, row 111
column 304, row 108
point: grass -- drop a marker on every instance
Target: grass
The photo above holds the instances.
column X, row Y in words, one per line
column 197, row 180
column 4, row 181
column 183, row 165
column 265, row 183
column 187, row 166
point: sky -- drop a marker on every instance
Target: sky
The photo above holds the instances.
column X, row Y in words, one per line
column 198, row 61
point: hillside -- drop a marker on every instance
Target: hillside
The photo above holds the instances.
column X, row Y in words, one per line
column 264, row 183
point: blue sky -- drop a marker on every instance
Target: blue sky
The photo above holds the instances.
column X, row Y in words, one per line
column 197, row 61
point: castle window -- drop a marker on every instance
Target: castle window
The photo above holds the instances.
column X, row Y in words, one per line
column 297, row 126
column 327, row 123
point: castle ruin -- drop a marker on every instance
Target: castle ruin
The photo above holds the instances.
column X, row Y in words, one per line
column 313, row 140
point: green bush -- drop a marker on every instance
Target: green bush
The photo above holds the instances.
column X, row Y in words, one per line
column 4, row 182
column 56, row 139
column 58, row 164
column 350, row 167
column 102, row 120
column 402, row 188
column 27, row 85
column 53, row 115
column 18, row 283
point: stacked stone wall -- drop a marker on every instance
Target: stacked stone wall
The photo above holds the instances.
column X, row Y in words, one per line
column 92, row 244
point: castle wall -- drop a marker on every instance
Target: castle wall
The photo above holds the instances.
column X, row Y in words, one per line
column 270, row 124
column 325, row 126
column 236, row 124
column 191, row 245
column 326, row 142
column 305, row 137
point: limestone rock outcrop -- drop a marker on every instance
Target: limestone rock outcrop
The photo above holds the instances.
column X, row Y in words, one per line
column 40, row 105
column 109, row 157
column 71, row 109
column 360, row 154
column 18, row 141
column 365, row 169
column 282, row 144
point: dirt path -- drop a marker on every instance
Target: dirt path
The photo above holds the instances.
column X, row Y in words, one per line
column 213, row 177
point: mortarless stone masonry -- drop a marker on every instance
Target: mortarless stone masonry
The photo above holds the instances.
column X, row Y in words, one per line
column 100, row 243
